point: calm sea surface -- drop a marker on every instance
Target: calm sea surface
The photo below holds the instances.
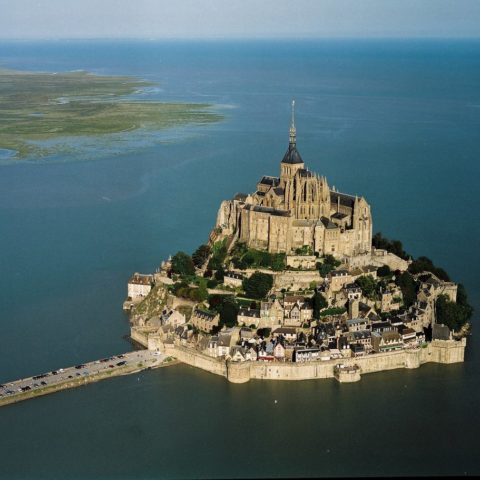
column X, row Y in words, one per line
column 398, row 122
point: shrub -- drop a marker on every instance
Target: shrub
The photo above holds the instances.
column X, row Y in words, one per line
column 409, row 288
column 422, row 264
column 393, row 246
column 258, row 285
column 454, row 315
column 384, row 271
column 200, row 255
column 183, row 264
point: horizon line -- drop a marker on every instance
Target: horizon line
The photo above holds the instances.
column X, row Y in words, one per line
column 250, row 38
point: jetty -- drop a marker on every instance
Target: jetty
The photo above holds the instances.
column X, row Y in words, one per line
column 81, row 374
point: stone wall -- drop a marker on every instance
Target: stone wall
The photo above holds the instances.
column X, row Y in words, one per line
column 139, row 337
column 200, row 360
column 438, row 351
column 298, row 279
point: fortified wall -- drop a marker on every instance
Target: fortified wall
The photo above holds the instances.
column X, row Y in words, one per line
column 439, row 351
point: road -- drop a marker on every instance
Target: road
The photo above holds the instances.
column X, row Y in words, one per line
column 133, row 360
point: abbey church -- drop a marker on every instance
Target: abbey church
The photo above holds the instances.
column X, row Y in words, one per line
column 298, row 209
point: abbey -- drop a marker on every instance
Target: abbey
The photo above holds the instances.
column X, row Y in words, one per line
column 298, row 209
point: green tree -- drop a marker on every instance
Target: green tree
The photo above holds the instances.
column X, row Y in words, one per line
column 258, row 285
column 319, row 303
column 212, row 283
column 408, row 287
column 200, row 255
column 218, row 256
column 182, row 264
column 452, row 314
column 219, row 275
column 384, row 271
column 393, row 246
column 229, row 312
column 329, row 263
column 264, row 332
column 202, row 291
column 277, row 262
column 368, row 285
column 422, row 264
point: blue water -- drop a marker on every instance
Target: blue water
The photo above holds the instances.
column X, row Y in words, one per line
column 395, row 121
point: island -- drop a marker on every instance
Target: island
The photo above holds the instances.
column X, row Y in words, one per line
column 292, row 284
column 38, row 107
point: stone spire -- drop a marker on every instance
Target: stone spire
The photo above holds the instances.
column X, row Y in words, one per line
column 293, row 130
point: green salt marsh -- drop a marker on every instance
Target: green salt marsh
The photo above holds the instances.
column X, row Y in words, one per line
column 48, row 106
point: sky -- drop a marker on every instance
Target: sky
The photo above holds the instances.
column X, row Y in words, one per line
column 156, row 19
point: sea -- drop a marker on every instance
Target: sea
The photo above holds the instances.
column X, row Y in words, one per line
column 396, row 121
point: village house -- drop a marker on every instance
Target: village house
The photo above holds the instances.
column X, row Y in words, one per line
column 358, row 324
column 251, row 354
column 298, row 313
column 248, row 316
column 139, row 286
column 172, row 317
column 271, row 314
column 358, row 349
column 353, row 291
column 434, row 286
column 361, row 337
column 382, row 327
column 212, row 348
column 408, row 334
column 386, row 341
column 279, row 352
column 289, row 333
column 338, row 279
column 204, row 320
column 237, row 354
column 391, row 300
column 305, row 354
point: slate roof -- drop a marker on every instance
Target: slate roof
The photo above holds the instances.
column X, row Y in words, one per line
column 345, row 200
column 328, row 223
column 305, row 173
column 203, row 314
column 270, row 210
column 272, row 181
column 249, row 312
column 440, row 332
column 292, row 156
column 380, row 326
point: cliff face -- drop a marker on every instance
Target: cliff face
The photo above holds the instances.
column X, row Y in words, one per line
column 152, row 304
column 227, row 216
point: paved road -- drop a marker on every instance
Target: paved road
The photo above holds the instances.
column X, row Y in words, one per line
column 145, row 357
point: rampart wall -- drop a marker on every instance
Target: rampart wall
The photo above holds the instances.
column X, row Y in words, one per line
column 438, row 351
